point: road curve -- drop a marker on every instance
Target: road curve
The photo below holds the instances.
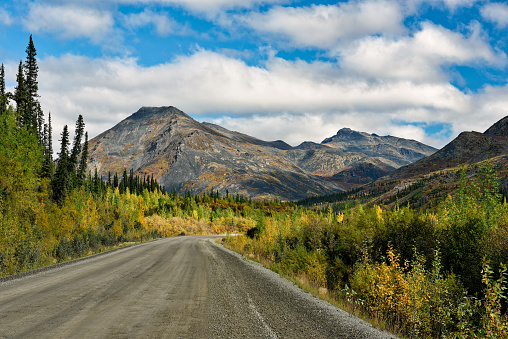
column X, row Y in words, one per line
column 182, row 287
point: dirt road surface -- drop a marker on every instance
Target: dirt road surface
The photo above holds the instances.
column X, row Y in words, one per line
column 183, row 287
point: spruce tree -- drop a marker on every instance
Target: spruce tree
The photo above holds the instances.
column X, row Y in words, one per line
column 20, row 97
column 40, row 123
column 60, row 182
column 3, row 94
column 115, row 180
column 131, row 181
column 48, row 166
column 50, row 138
column 78, row 135
column 34, row 113
column 82, row 164
column 76, row 150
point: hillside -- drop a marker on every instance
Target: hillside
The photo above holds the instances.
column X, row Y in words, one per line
column 184, row 154
column 466, row 148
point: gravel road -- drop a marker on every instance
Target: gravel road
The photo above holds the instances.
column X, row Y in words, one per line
column 182, row 287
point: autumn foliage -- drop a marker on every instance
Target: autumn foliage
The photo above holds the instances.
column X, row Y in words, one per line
column 422, row 274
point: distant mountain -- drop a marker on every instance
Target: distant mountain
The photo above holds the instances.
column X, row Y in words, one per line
column 184, row 154
column 428, row 181
column 392, row 151
column 308, row 145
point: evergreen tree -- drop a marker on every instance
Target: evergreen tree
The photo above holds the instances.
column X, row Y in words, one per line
column 115, row 180
column 49, row 146
column 78, row 135
column 40, row 123
column 20, row 97
column 34, row 112
column 48, row 166
column 50, row 138
column 3, row 94
column 60, row 184
column 82, row 164
column 131, row 181
column 96, row 182
column 124, row 182
column 76, row 150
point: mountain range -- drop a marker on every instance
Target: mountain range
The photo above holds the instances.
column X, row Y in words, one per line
column 186, row 155
column 429, row 180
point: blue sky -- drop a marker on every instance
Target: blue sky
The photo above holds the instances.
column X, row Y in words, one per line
column 274, row 69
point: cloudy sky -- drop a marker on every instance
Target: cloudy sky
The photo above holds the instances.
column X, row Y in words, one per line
column 274, row 69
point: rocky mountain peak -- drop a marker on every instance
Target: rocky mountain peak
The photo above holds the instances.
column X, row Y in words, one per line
column 147, row 113
column 345, row 134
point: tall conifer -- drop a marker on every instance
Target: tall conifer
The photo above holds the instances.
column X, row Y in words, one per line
column 78, row 136
column 48, row 166
column 20, row 97
column 3, row 94
column 82, row 164
column 60, row 183
column 50, row 138
column 34, row 113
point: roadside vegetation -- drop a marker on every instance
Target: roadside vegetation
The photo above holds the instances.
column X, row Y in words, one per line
column 420, row 274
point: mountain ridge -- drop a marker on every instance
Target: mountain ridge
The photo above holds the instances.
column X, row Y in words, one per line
column 187, row 155
column 467, row 148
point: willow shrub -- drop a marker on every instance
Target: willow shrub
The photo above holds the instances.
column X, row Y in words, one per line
column 413, row 299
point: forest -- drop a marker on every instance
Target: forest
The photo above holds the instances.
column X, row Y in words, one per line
column 435, row 273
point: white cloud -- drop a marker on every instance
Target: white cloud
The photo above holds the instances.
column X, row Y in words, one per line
column 492, row 105
column 70, row 21
column 419, row 58
column 5, row 18
column 497, row 13
column 206, row 83
column 323, row 26
column 452, row 5
column 207, row 6
column 162, row 24
column 292, row 128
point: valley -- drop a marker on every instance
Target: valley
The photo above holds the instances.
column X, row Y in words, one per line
column 286, row 218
